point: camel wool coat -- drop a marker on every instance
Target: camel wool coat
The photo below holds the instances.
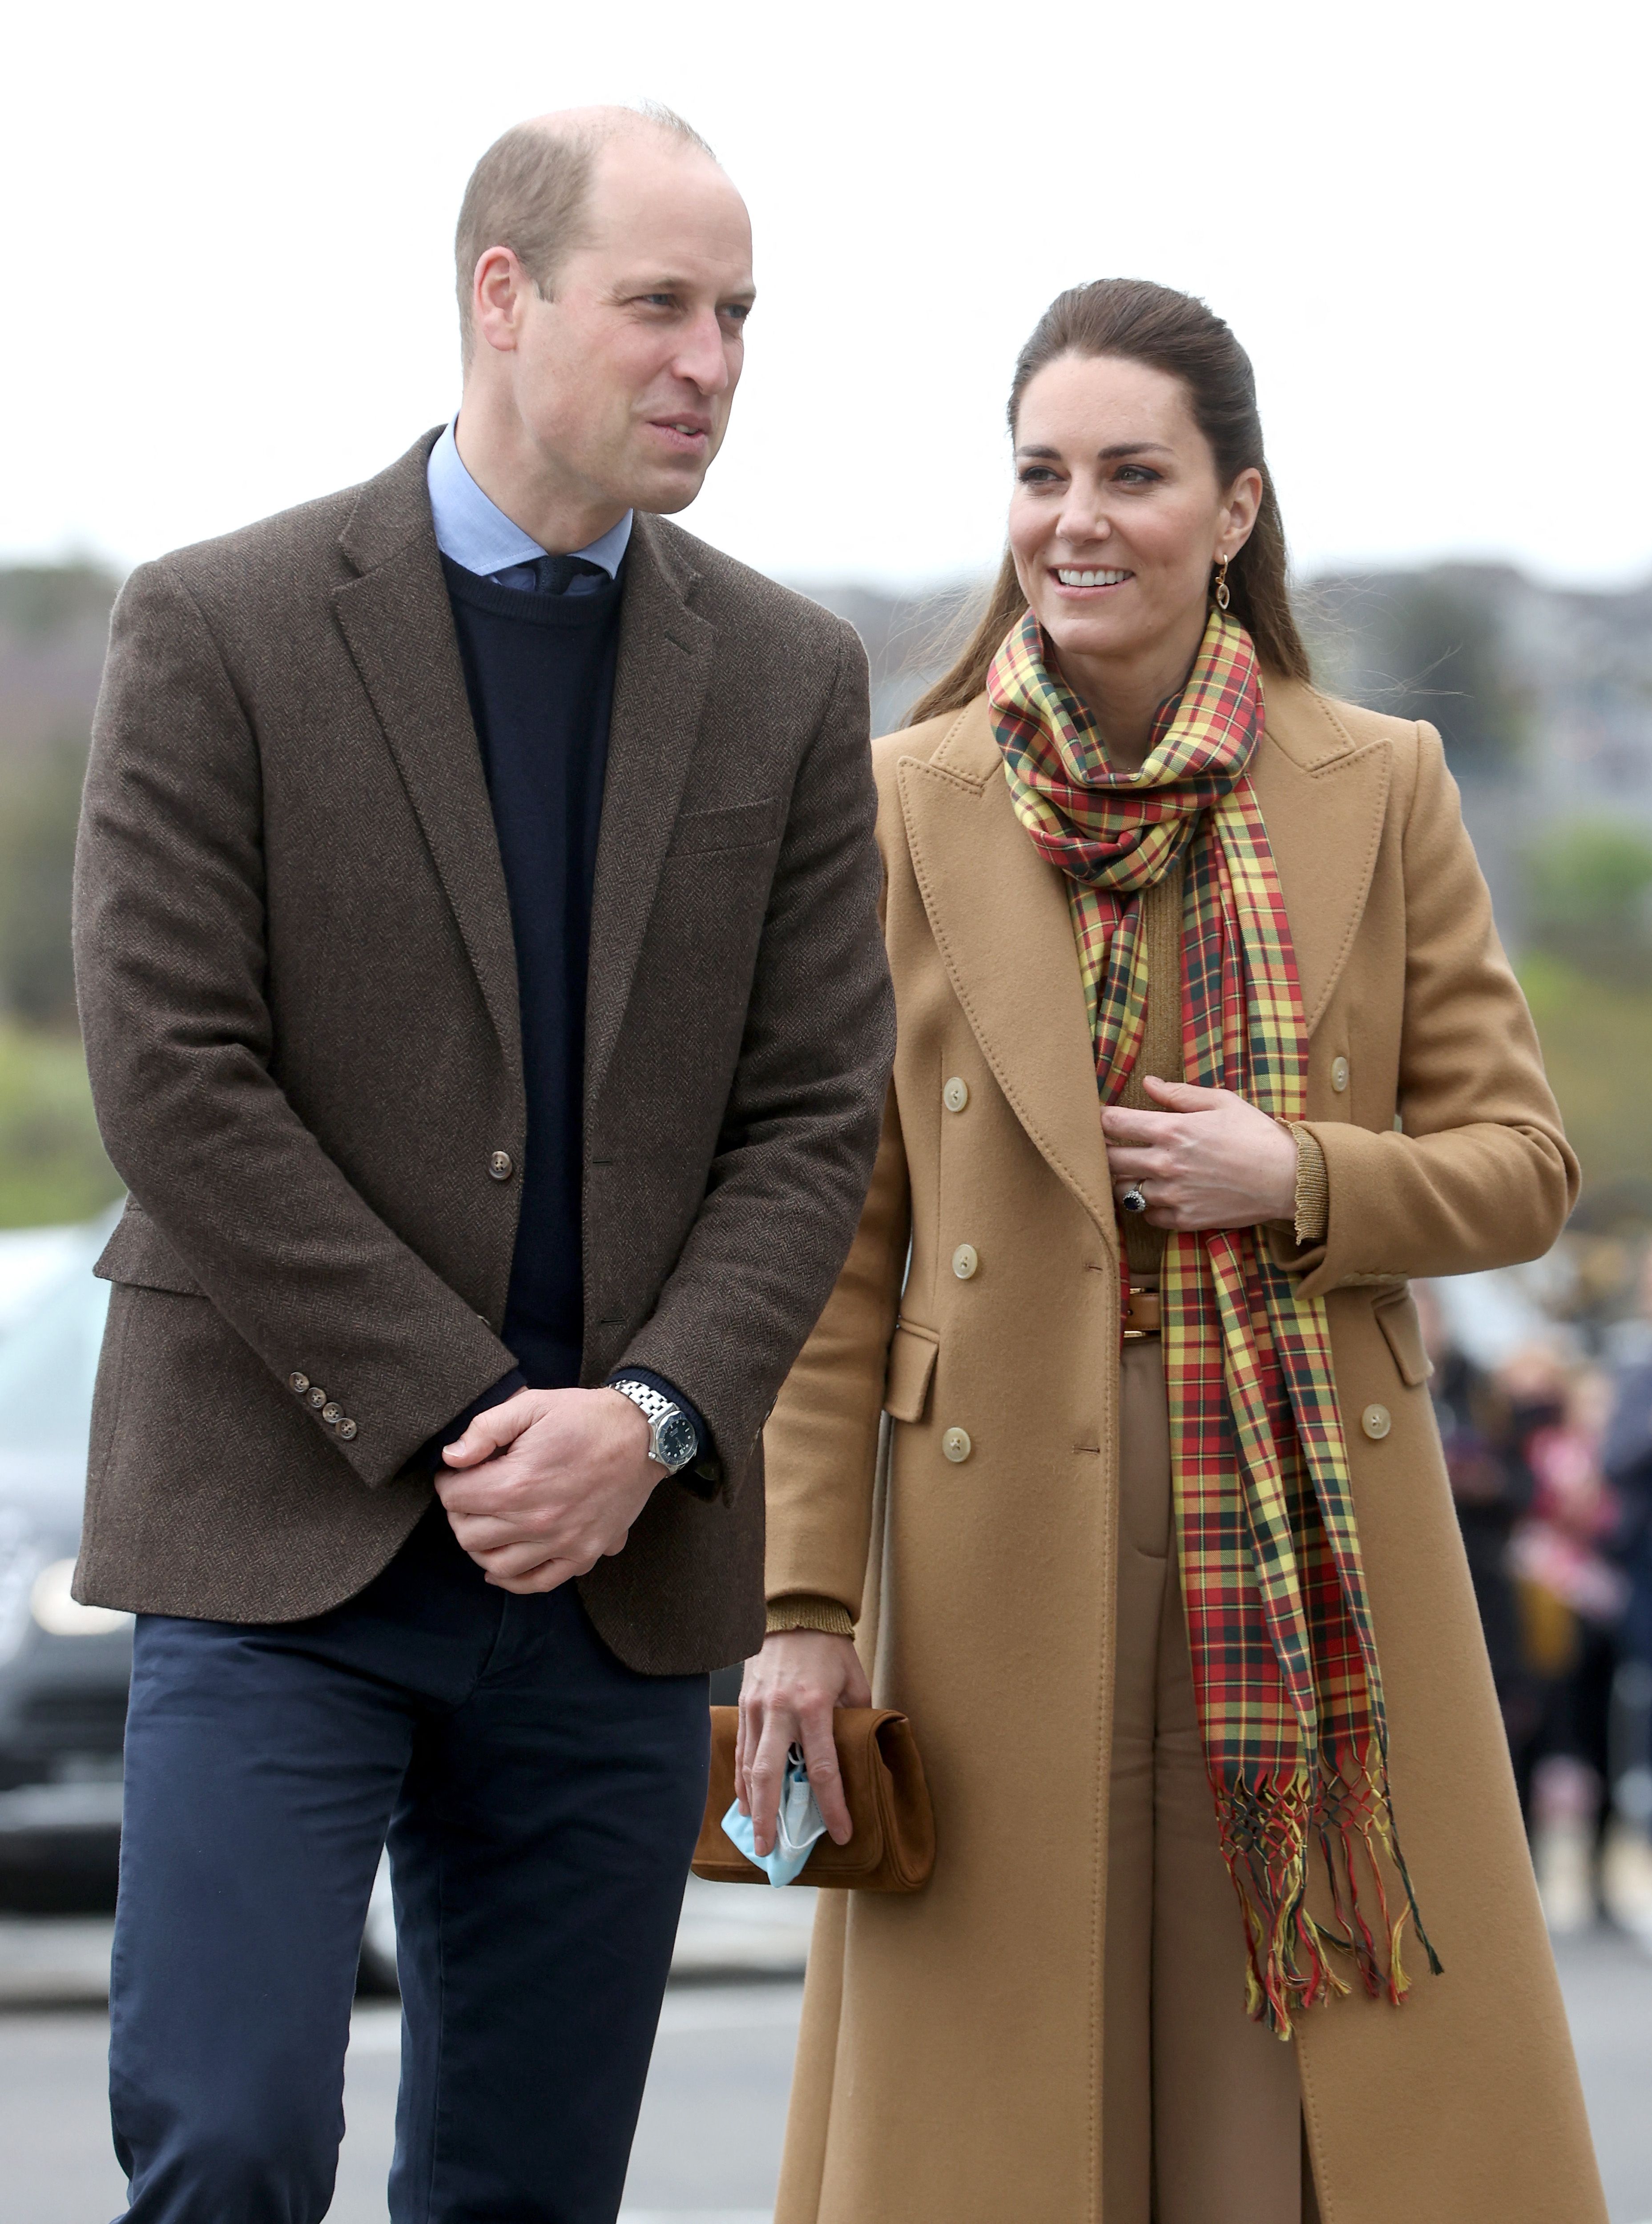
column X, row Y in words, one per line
column 950, row 2065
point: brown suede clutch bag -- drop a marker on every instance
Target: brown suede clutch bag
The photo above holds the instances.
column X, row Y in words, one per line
column 893, row 1849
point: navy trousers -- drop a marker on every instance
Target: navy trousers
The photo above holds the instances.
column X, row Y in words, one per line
column 540, row 1801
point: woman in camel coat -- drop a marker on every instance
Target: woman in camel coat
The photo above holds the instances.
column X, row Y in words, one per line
column 975, row 1467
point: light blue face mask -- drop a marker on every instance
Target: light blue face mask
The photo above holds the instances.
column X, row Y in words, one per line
column 800, row 1825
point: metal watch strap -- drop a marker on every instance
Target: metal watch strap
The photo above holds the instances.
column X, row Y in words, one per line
column 655, row 1410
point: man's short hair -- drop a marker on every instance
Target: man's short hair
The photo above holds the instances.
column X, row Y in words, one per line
column 530, row 192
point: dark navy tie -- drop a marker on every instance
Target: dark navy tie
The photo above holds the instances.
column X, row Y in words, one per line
column 550, row 575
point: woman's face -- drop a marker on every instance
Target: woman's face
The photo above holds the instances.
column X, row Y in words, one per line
column 1117, row 516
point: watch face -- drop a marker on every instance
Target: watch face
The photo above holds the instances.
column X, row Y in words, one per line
column 678, row 1443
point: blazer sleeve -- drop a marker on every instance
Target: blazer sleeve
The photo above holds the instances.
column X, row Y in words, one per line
column 170, row 971
column 820, row 1447
column 800, row 1130
column 1480, row 1173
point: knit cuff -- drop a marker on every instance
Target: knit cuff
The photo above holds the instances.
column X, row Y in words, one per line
column 1313, row 1187
column 802, row 1610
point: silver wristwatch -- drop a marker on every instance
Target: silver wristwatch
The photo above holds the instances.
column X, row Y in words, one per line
column 672, row 1439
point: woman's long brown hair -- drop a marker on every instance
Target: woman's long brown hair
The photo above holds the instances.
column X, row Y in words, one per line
column 1174, row 333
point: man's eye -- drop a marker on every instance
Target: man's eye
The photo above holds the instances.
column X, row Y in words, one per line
column 737, row 312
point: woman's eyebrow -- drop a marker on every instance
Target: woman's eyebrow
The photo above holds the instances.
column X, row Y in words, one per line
column 1109, row 455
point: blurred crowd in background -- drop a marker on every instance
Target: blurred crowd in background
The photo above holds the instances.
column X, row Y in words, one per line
column 1542, row 1384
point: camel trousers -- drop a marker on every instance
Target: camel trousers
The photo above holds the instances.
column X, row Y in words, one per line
column 1201, row 2119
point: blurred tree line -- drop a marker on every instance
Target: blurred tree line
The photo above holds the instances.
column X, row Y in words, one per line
column 1588, row 975
column 1427, row 644
column 1541, row 699
column 54, row 624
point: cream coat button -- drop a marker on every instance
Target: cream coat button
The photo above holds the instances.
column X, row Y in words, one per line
column 332, row 1414
column 965, row 1260
column 1338, row 1074
column 501, row 1165
column 299, row 1382
column 956, row 1095
column 317, row 1398
column 956, row 1445
column 1376, row 1421
column 347, row 1429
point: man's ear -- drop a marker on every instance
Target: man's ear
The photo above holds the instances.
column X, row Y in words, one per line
column 499, row 295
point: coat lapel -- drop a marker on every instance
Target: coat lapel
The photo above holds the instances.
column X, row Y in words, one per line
column 1323, row 800
column 659, row 684
column 398, row 625
column 1000, row 919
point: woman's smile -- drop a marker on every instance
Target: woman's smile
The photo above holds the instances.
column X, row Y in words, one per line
column 1086, row 583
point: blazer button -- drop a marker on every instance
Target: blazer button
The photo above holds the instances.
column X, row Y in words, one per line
column 299, row 1382
column 956, row 1095
column 956, row 1445
column 965, row 1260
column 1338, row 1074
column 347, row 1429
column 316, row 1397
column 332, row 1414
column 1376, row 1421
column 502, row 1165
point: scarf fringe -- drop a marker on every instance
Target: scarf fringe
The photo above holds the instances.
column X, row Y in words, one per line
column 1265, row 1833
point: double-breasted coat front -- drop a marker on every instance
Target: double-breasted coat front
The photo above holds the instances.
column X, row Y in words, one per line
column 950, row 2066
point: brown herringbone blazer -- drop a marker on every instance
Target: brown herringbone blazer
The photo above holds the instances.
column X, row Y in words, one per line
column 298, row 988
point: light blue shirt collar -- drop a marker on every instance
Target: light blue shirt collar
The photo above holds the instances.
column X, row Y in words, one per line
column 475, row 532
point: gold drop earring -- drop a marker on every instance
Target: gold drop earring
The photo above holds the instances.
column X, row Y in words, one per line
column 1224, row 596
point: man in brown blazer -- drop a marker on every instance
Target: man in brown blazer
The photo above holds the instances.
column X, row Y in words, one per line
column 481, row 978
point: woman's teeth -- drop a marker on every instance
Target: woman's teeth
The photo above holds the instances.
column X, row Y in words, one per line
column 1090, row 578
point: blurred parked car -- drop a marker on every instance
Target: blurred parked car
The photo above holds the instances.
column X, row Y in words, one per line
column 64, row 1667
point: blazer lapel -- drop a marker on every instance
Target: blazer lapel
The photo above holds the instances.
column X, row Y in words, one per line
column 1000, row 918
column 1323, row 798
column 659, row 684
column 398, row 625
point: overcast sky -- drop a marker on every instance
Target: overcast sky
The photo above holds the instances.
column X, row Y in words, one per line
column 227, row 242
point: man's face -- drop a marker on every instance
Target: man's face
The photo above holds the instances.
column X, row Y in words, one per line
column 625, row 375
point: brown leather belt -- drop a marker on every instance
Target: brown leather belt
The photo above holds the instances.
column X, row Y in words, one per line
column 1141, row 1314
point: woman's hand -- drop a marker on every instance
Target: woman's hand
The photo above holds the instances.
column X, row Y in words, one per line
column 1208, row 1160
column 787, row 1698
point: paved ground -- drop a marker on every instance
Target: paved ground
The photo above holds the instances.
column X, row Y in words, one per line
column 709, row 2145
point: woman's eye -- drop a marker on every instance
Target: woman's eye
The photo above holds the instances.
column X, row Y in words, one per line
column 1137, row 474
column 1036, row 475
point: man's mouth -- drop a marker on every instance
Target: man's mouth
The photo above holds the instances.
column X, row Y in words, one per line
column 1070, row 577
column 683, row 432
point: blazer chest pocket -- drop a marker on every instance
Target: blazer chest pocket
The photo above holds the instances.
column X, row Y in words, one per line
column 138, row 1254
column 742, row 826
column 911, row 1366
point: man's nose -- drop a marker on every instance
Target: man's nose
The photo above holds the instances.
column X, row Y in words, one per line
column 701, row 358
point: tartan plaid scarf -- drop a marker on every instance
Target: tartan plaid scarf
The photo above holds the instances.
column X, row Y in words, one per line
column 1284, row 1657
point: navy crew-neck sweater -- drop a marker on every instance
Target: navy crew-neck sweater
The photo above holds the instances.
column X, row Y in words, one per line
column 539, row 669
